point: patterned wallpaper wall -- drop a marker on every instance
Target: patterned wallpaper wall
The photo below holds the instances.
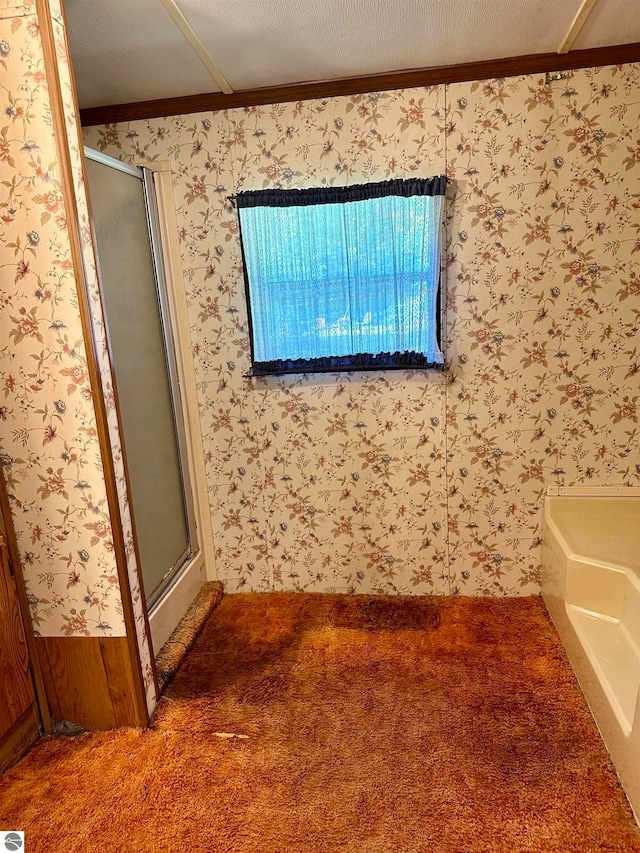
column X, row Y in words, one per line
column 48, row 442
column 74, row 143
column 544, row 315
column 422, row 482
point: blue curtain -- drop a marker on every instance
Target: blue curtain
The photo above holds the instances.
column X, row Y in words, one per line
column 336, row 283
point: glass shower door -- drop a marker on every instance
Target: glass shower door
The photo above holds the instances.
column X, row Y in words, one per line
column 138, row 327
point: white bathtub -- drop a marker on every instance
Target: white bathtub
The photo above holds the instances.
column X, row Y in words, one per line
column 591, row 585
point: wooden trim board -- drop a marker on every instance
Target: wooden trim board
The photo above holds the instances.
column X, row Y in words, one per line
column 132, row 663
column 509, row 67
column 199, row 49
column 89, row 681
column 576, row 25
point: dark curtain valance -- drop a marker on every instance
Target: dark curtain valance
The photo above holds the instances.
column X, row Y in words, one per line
column 339, row 195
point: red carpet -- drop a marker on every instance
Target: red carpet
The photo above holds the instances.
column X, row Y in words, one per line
column 368, row 725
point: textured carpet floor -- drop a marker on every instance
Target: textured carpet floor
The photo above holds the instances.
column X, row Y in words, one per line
column 314, row 723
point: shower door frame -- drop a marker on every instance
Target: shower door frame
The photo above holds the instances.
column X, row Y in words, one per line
column 193, row 557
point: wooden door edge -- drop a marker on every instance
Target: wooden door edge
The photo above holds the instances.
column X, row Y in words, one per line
column 21, row 590
column 20, row 737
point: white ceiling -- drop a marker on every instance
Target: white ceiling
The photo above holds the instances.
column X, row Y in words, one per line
column 131, row 50
column 610, row 22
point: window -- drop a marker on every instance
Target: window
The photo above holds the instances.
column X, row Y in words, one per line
column 343, row 278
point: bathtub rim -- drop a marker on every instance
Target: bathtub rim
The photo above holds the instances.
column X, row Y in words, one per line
column 593, row 492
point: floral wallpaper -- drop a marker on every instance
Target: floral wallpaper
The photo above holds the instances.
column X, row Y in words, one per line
column 308, row 477
column 74, row 143
column 16, row 8
column 48, row 441
column 422, row 482
column 544, row 308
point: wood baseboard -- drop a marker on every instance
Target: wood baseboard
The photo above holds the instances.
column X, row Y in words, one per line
column 89, row 681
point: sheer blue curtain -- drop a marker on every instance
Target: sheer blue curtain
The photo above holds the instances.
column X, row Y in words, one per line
column 343, row 277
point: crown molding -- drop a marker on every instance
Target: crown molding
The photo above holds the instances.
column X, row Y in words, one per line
column 511, row 67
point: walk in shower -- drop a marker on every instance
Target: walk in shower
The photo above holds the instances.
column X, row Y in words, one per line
column 138, row 321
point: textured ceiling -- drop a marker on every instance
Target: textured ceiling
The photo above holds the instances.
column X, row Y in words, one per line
column 264, row 44
column 131, row 50
column 611, row 22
